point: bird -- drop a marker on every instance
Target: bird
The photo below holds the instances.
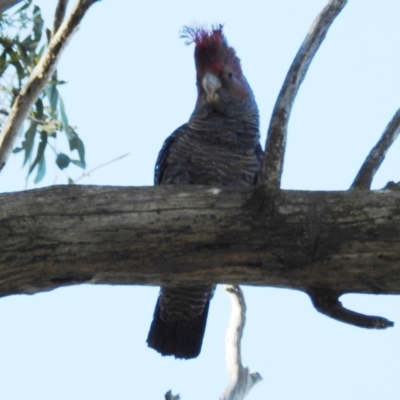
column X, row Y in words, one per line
column 219, row 146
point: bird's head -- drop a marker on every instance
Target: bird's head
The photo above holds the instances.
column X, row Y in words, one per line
column 221, row 84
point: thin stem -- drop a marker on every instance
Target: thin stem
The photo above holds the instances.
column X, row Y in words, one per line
column 277, row 132
column 101, row 166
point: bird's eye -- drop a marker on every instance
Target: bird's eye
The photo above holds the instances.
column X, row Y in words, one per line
column 230, row 75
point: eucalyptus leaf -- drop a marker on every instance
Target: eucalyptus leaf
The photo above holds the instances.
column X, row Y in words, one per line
column 40, row 154
column 29, row 141
column 41, row 170
column 78, row 163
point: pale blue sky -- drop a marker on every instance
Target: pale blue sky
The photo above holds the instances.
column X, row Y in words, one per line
column 131, row 83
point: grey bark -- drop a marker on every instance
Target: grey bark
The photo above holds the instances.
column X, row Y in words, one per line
column 5, row 4
column 275, row 145
column 64, row 235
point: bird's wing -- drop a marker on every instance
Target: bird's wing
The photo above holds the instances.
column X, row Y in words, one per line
column 161, row 163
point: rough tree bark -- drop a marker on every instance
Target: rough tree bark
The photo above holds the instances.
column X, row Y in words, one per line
column 343, row 241
column 5, row 4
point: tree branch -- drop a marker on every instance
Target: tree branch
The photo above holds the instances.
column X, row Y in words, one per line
column 375, row 158
column 327, row 302
column 59, row 15
column 5, row 4
column 277, row 132
column 39, row 77
column 344, row 242
column 241, row 378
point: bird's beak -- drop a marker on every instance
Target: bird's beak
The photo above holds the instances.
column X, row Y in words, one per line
column 211, row 84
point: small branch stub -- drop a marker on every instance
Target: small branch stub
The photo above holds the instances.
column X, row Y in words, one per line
column 327, row 302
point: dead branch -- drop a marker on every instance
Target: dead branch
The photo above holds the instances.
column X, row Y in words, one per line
column 375, row 158
column 343, row 242
column 241, row 378
column 5, row 4
column 39, row 77
column 327, row 302
column 277, row 131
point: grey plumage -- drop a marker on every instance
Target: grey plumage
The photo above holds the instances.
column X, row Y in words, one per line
column 218, row 146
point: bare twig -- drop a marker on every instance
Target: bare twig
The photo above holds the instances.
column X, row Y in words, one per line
column 59, row 15
column 327, row 302
column 170, row 396
column 85, row 174
column 277, row 132
column 376, row 156
column 40, row 75
column 241, row 378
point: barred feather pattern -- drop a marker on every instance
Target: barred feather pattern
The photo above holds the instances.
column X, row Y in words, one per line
column 219, row 145
column 197, row 153
column 184, row 303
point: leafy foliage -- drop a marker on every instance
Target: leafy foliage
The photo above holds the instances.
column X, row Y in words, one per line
column 23, row 39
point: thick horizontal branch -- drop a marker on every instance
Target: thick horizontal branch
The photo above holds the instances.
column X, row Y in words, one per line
column 65, row 235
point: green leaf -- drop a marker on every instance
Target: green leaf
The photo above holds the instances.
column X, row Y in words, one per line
column 37, row 24
column 3, row 62
column 81, row 152
column 48, row 35
column 64, row 117
column 17, row 150
column 52, row 95
column 21, row 72
column 39, row 157
column 79, row 163
column 39, row 109
column 62, row 160
column 41, row 170
column 29, row 141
